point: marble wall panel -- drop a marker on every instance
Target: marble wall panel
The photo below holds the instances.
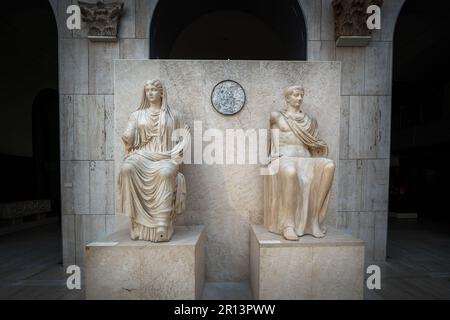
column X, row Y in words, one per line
column 101, row 187
column 75, row 187
column 312, row 10
column 101, row 63
column 378, row 68
column 89, row 228
column 321, row 51
column 134, row 49
column 66, row 104
column 144, row 13
column 327, row 21
column 368, row 127
column 68, row 239
column 227, row 197
column 381, row 222
column 73, row 63
column 376, row 185
column 353, row 64
column 89, row 127
column 350, row 181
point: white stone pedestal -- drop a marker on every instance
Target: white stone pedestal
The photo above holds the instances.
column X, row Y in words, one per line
column 119, row 268
column 321, row 269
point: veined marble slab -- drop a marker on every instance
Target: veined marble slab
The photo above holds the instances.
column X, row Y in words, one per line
column 118, row 268
column 331, row 268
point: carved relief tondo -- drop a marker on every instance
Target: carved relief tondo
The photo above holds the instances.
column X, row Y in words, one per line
column 228, row 97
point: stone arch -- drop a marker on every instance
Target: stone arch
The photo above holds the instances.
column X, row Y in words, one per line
column 54, row 5
column 45, row 127
column 282, row 40
column 29, row 68
column 420, row 38
column 394, row 11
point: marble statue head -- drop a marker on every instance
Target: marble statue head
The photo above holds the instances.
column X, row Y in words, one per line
column 154, row 91
column 294, row 96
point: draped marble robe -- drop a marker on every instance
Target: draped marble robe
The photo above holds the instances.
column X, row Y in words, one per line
column 309, row 204
column 152, row 190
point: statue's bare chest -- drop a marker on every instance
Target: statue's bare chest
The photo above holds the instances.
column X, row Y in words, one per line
column 282, row 125
column 286, row 136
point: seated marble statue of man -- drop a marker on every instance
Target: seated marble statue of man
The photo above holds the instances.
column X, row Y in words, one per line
column 298, row 192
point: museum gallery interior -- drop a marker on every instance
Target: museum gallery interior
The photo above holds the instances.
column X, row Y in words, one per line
column 225, row 150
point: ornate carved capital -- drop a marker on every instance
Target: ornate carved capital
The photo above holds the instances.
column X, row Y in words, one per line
column 350, row 17
column 102, row 19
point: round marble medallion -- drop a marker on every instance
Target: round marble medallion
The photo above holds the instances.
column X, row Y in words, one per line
column 228, row 97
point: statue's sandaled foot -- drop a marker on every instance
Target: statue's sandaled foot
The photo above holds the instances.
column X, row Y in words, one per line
column 134, row 236
column 317, row 232
column 162, row 234
column 289, row 234
column 323, row 229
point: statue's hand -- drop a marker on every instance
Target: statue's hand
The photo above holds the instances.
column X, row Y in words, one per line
column 178, row 160
column 319, row 153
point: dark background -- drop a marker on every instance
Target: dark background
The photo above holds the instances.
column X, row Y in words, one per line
column 420, row 144
column 29, row 113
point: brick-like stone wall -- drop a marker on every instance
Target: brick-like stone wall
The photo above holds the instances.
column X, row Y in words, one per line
column 86, row 121
column 365, row 121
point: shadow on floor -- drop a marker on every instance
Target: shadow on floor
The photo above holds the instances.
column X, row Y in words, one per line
column 418, row 262
column 31, row 265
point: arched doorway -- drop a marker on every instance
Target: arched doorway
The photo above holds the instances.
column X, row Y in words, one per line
column 235, row 29
column 419, row 224
column 45, row 126
column 30, row 227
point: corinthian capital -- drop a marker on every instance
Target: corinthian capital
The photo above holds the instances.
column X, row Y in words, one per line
column 102, row 19
column 350, row 20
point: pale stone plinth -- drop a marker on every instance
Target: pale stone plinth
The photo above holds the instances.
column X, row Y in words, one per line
column 119, row 268
column 329, row 268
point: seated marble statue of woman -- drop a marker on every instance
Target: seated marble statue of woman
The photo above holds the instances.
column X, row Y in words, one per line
column 152, row 190
column 297, row 194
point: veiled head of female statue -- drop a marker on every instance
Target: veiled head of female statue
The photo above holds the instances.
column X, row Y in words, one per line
column 294, row 96
column 154, row 91
column 154, row 94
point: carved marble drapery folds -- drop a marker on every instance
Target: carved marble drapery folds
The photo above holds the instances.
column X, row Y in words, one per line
column 350, row 19
column 297, row 194
column 152, row 190
column 102, row 19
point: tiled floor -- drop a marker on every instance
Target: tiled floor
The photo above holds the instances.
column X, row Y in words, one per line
column 418, row 263
column 418, row 266
column 227, row 291
column 30, row 265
